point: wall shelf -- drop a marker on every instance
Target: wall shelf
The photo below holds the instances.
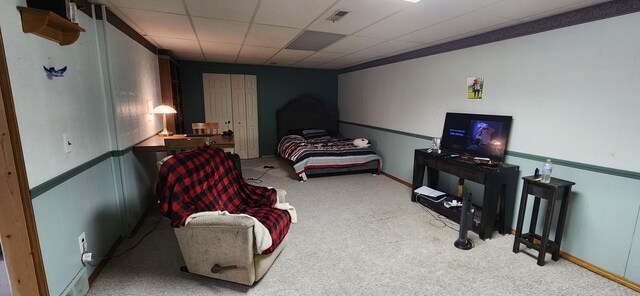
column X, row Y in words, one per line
column 49, row 25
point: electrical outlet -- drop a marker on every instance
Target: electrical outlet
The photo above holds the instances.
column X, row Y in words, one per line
column 82, row 241
column 68, row 143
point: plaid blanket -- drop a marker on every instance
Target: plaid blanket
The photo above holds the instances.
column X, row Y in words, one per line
column 204, row 179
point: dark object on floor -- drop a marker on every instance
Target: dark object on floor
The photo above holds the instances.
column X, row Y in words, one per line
column 236, row 162
column 466, row 218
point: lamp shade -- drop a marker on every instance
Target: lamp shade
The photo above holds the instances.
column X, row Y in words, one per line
column 164, row 109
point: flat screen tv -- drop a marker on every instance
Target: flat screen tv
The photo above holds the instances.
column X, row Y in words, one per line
column 476, row 135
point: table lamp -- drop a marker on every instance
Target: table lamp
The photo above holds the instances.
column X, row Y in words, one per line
column 164, row 110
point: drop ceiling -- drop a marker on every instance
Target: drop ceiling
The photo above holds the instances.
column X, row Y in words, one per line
column 259, row 31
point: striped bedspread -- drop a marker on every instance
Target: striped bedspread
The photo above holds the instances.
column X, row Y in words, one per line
column 324, row 153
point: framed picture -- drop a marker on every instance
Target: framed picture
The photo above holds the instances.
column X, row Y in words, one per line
column 474, row 87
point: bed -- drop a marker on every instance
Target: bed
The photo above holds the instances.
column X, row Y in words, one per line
column 309, row 139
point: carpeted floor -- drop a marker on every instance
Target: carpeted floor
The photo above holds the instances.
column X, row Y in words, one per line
column 356, row 235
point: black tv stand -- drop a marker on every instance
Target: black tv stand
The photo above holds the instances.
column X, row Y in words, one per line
column 499, row 189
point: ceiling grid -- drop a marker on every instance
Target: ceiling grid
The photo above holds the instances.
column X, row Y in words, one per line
column 260, row 31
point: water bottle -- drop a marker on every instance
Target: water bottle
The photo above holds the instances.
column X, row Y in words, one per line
column 547, row 167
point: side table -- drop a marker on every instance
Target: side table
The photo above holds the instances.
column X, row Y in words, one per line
column 556, row 188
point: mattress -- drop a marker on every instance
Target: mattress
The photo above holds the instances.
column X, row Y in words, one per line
column 328, row 154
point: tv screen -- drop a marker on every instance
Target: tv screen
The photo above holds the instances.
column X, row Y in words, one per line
column 476, row 135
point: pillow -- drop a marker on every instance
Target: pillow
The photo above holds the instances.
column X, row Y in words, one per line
column 315, row 134
column 296, row 132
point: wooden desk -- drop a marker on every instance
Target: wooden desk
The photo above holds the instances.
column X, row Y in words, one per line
column 156, row 143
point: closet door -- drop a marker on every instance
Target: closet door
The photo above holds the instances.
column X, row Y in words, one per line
column 251, row 101
column 239, row 115
column 217, row 99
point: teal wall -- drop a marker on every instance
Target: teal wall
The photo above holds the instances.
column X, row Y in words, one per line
column 276, row 86
column 84, row 203
column 102, row 187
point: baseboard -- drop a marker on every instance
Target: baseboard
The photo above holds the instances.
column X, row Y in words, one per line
column 394, row 178
column 597, row 270
column 575, row 260
column 614, row 277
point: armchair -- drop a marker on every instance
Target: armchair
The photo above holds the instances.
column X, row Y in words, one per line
column 226, row 228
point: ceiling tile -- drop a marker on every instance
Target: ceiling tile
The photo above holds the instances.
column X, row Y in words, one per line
column 220, row 30
column 460, row 25
column 560, row 10
column 220, row 49
column 290, row 13
column 287, row 57
column 235, row 10
column 251, row 60
column 362, row 13
column 171, row 6
column 516, row 9
column 270, row 36
column 215, row 58
column 226, row 34
column 351, row 44
column 317, row 59
column 127, row 20
column 161, row 24
column 464, row 5
column 189, row 56
column 412, row 18
column 389, row 47
column 351, row 59
column 256, row 54
column 175, row 44
column 342, row 63
column 477, row 32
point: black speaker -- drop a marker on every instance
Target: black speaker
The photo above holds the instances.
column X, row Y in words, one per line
column 236, row 162
column 57, row 6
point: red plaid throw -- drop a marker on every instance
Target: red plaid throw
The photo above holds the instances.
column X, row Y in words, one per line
column 204, row 179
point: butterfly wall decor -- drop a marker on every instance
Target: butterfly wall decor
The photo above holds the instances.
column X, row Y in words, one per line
column 52, row 72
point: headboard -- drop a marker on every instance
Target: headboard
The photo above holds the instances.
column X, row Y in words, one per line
column 306, row 112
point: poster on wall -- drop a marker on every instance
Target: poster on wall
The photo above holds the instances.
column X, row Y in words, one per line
column 474, row 88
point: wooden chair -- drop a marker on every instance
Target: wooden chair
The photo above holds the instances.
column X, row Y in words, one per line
column 174, row 146
column 204, row 128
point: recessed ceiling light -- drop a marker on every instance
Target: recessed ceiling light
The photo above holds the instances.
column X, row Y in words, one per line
column 412, row 1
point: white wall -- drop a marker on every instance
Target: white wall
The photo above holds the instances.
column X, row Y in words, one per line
column 574, row 86
column 135, row 79
column 566, row 89
column 47, row 108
